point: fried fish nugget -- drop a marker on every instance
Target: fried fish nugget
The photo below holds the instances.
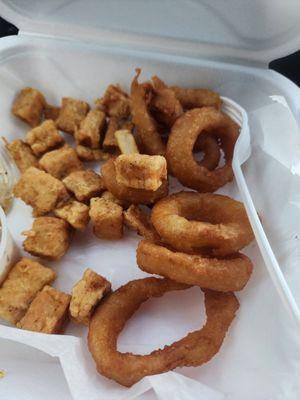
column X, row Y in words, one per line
column 90, row 131
column 86, row 295
column 88, row 154
column 75, row 213
column 107, row 219
column 49, row 238
column 72, row 112
column 26, row 278
column 115, row 102
column 194, row 349
column 29, row 106
column 61, row 162
column 84, row 184
column 40, row 190
column 140, row 171
column 44, row 138
column 22, row 154
column 47, row 313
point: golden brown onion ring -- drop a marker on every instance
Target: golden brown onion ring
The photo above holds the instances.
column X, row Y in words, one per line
column 193, row 222
column 181, row 142
column 224, row 275
column 194, row 349
column 209, row 146
column 144, row 123
column 130, row 195
column 195, row 98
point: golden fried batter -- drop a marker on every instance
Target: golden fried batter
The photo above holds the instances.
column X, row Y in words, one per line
column 90, row 130
column 22, row 154
column 75, row 213
column 84, row 184
column 44, row 138
column 29, row 105
column 138, row 221
column 107, row 218
column 115, row 102
column 72, row 112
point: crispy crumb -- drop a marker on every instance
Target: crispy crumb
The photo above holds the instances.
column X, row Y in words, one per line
column 88, row 154
column 49, row 237
column 86, row 295
column 90, row 131
column 26, row 278
column 61, row 162
column 51, row 112
column 109, row 196
column 141, row 171
column 29, row 105
column 138, row 221
column 107, row 218
column 40, row 190
column 75, row 213
column 22, row 154
column 47, row 313
column 72, row 112
column 84, row 184
column 44, row 138
column 115, row 102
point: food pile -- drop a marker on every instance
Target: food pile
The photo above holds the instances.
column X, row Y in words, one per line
column 190, row 238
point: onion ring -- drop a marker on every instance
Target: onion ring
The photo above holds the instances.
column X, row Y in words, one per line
column 144, row 123
column 130, row 195
column 224, row 275
column 194, row 98
column 193, row 222
column 194, row 349
column 209, row 145
column 182, row 139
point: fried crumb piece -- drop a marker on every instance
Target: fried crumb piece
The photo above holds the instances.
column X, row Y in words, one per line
column 88, row 154
column 91, row 128
column 49, row 237
column 109, row 196
column 51, row 112
column 29, row 105
column 40, row 190
column 61, row 162
column 44, row 138
column 107, row 218
column 26, row 278
column 86, row 295
column 47, row 313
column 141, row 171
column 72, row 112
column 22, row 154
column 75, row 213
column 115, row 102
column 84, row 184
column 138, row 221
column 110, row 141
column 126, row 142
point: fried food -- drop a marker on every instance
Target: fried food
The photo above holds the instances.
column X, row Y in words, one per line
column 126, row 142
column 51, row 112
column 137, row 220
column 71, row 113
column 193, row 222
column 130, row 195
column 109, row 196
column 140, row 171
column 107, row 218
column 87, row 294
column 22, row 154
column 61, row 162
column 49, row 238
column 26, row 278
column 87, row 154
column 84, row 184
column 29, row 106
column 115, row 102
column 209, row 146
column 44, row 138
column 194, row 349
column 47, row 313
column 91, row 129
column 75, row 213
column 164, row 105
column 225, row 275
column 182, row 139
column 143, row 121
column 110, row 141
column 40, row 190
column 195, row 98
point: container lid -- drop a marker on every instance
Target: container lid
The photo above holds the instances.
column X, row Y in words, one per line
column 249, row 30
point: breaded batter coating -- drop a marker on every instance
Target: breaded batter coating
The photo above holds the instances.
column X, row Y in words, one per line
column 47, row 312
column 44, row 138
column 107, row 218
column 84, row 184
column 75, row 213
column 29, row 106
column 91, row 128
column 49, row 237
column 40, row 190
column 86, row 295
column 22, row 154
column 26, row 278
column 72, row 112
column 115, row 102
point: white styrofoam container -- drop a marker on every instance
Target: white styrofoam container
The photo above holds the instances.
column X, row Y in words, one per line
column 192, row 43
